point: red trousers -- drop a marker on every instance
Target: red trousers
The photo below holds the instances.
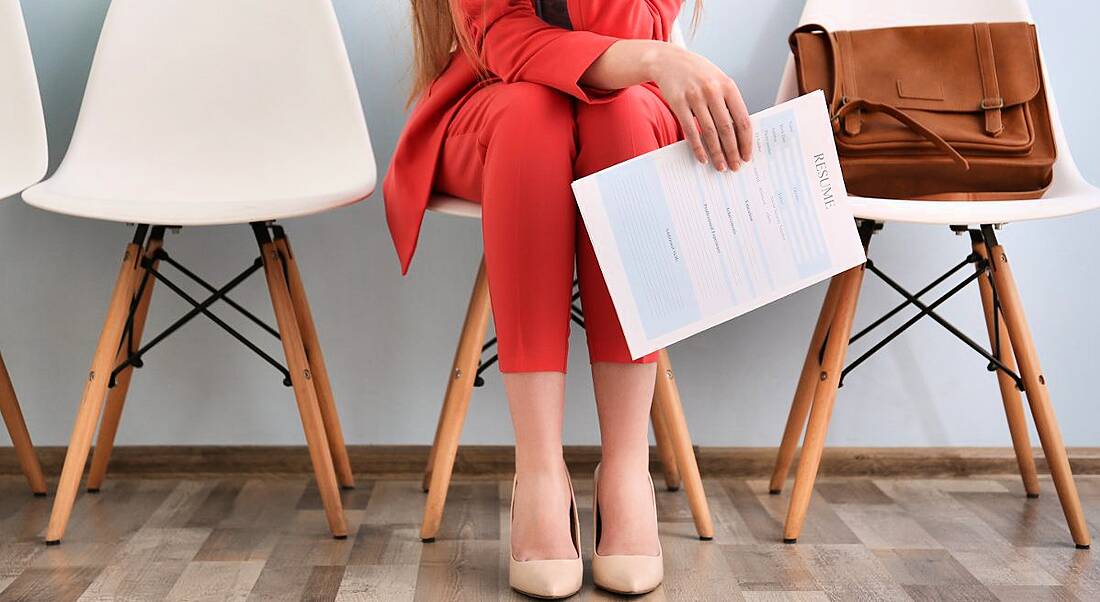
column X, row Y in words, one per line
column 517, row 147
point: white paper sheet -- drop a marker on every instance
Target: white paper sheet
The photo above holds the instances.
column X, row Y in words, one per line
column 684, row 247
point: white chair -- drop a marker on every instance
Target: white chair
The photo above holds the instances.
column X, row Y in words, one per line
column 23, row 160
column 1009, row 335
column 201, row 112
column 669, row 425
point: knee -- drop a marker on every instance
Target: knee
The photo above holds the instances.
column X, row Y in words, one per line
column 536, row 118
column 631, row 111
column 631, row 124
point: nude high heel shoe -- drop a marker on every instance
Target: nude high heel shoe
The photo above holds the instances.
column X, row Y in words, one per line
column 548, row 579
column 623, row 574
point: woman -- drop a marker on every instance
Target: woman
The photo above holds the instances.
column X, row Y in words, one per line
column 515, row 100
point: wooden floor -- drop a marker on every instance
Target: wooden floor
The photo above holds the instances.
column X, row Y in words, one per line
column 264, row 538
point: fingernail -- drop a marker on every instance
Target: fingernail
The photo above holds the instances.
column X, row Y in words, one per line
column 736, row 166
column 721, row 166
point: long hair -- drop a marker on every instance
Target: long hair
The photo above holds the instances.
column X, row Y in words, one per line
column 437, row 32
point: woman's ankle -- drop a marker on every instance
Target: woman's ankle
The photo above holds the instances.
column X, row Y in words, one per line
column 545, row 463
column 621, row 463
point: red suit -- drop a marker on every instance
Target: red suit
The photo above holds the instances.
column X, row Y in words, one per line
column 514, row 143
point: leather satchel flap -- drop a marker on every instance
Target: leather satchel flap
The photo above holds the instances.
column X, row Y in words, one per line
column 945, row 68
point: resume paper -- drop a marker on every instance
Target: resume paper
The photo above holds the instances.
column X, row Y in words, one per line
column 684, row 247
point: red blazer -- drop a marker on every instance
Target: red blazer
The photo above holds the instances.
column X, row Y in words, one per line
column 516, row 46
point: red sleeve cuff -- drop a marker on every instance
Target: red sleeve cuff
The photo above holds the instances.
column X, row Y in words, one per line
column 567, row 59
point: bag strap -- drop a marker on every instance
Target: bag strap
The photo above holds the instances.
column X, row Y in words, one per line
column 842, row 107
column 837, row 99
column 852, row 122
column 903, row 117
column 992, row 101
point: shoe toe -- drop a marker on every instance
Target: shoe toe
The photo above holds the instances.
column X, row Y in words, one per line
column 628, row 574
column 549, row 579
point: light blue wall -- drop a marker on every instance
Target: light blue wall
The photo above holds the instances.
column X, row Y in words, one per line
column 389, row 341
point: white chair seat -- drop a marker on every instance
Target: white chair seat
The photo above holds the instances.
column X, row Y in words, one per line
column 203, row 112
column 973, row 213
column 1070, row 193
column 889, row 210
column 22, row 129
column 449, row 205
column 53, row 195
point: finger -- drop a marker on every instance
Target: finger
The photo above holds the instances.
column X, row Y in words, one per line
column 691, row 131
column 709, row 133
column 727, row 134
column 741, row 122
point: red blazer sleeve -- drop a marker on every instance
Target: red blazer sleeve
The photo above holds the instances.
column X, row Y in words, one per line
column 516, row 45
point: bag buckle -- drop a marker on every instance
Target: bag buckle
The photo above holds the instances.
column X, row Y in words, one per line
column 835, row 117
column 990, row 104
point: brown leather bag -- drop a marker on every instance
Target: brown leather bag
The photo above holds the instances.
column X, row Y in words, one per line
column 946, row 112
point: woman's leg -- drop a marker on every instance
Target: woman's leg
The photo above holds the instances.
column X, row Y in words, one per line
column 513, row 146
column 540, row 524
column 623, row 395
column 635, row 122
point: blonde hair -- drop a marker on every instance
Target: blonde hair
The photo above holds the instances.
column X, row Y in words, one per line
column 437, row 32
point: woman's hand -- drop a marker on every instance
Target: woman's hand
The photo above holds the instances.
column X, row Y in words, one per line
column 705, row 100
column 707, row 104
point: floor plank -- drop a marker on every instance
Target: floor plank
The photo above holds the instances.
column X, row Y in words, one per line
column 459, row 570
column 264, row 537
column 216, row 580
column 58, row 584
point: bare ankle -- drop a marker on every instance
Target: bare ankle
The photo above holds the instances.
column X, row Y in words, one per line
column 541, row 465
column 625, row 464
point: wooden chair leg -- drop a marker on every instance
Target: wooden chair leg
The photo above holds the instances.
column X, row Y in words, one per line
column 95, row 389
column 302, row 380
column 17, row 429
column 665, row 450
column 667, row 397
column 116, row 397
column 824, row 397
column 1038, row 397
column 445, row 412
column 460, row 385
column 804, row 393
column 308, row 329
column 1010, row 395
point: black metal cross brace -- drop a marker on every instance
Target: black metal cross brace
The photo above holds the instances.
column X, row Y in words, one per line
column 134, row 357
column 929, row 310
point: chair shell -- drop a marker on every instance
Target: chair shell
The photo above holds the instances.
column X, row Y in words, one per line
column 23, row 155
column 201, row 112
column 1070, row 193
